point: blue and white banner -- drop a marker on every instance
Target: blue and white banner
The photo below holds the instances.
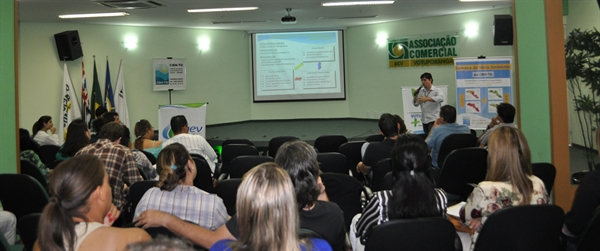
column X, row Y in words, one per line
column 481, row 84
column 194, row 113
column 412, row 113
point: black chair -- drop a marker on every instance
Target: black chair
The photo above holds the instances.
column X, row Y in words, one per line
column 31, row 170
column 352, row 152
column 588, row 240
column 237, row 141
column 242, row 164
column 27, row 227
column 227, row 191
column 546, row 172
column 136, row 192
column 204, row 178
column 232, row 151
column 379, row 171
column 453, row 142
column 329, row 143
column 333, row 162
column 48, row 154
column 276, row 142
column 528, row 227
column 463, row 166
column 22, row 195
column 346, row 192
column 150, row 157
column 374, row 138
column 413, row 234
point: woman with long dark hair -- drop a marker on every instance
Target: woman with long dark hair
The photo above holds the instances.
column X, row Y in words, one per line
column 80, row 211
column 509, row 181
column 40, row 131
column 78, row 136
column 143, row 138
column 413, row 193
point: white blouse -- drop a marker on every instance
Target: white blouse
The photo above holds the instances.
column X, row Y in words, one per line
column 43, row 138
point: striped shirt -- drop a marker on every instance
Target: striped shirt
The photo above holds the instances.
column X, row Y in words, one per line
column 195, row 144
column 376, row 213
column 189, row 203
column 120, row 166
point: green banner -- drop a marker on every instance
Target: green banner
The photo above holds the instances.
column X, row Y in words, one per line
column 422, row 51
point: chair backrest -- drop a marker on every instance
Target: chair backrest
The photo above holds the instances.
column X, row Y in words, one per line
column 21, row 194
column 227, row 191
column 431, row 234
column 346, row 192
column 379, row 171
column 329, row 143
column 546, row 172
column 588, row 240
column 462, row 166
column 528, row 227
column 351, row 150
column 237, row 141
column 453, row 142
column 136, row 192
column 204, row 174
column 150, row 157
column 48, row 154
column 28, row 229
column 232, row 151
column 276, row 142
column 333, row 162
column 31, row 170
column 374, row 138
column 242, row 164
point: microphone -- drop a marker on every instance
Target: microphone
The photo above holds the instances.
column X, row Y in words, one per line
column 417, row 91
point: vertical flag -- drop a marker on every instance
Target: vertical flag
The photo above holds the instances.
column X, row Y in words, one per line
column 121, row 100
column 85, row 110
column 70, row 109
column 96, row 100
column 109, row 100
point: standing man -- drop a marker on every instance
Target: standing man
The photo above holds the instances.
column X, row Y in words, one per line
column 430, row 99
column 195, row 144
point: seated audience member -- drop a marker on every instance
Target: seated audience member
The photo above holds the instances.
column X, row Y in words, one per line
column 161, row 242
column 585, row 204
column 142, row 162
column 443, row 126
column 8, row 226
column 143, row 138
column 402, row 129
column 195, row 144
column 78, row 136
column 509, row 181
column 506, row 117
column 28, row 153
column 299, row 160
column 120, row 162
column 376, row 151
column 101, row 110
column 80, row 213
column 97, row 126
column 176, row 194
column 40, row 132
column 413, row 194
column 267, row 215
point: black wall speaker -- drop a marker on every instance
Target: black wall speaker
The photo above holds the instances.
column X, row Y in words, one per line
column 503, row 30
column 68, row 45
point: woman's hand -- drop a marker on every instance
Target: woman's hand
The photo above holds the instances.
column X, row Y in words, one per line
column 112, row 215
column 474, row 224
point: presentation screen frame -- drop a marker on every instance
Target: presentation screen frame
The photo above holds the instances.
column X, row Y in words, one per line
column 314, row 71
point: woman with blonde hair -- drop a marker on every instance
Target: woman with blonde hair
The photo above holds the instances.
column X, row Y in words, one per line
column 143, row 138
column 267, row 214
column 80, row 212
column 509, row 181
column 176, row 194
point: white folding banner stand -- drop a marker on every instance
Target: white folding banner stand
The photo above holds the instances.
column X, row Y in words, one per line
column 194, row 113
column 412, row 113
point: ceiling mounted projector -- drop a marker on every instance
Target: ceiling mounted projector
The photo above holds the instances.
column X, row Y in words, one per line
column 288, row 19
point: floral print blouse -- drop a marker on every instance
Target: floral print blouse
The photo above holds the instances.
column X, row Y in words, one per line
column 490, row 196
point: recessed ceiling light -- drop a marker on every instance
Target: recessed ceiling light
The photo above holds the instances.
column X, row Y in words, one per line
column 110, row 14
column 223, row 9
column 356, row 3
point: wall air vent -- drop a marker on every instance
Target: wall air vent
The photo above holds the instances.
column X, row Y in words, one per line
column 351, row 17
column 130, row 4
column 240, row 22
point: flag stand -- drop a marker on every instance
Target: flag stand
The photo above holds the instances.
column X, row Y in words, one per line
column 170, row 90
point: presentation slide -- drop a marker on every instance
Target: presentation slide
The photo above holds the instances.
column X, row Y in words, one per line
column 290, row 66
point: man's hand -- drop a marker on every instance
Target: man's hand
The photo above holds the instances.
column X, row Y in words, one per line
column 362, row 168
column 424, row 99
column 153, row 218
